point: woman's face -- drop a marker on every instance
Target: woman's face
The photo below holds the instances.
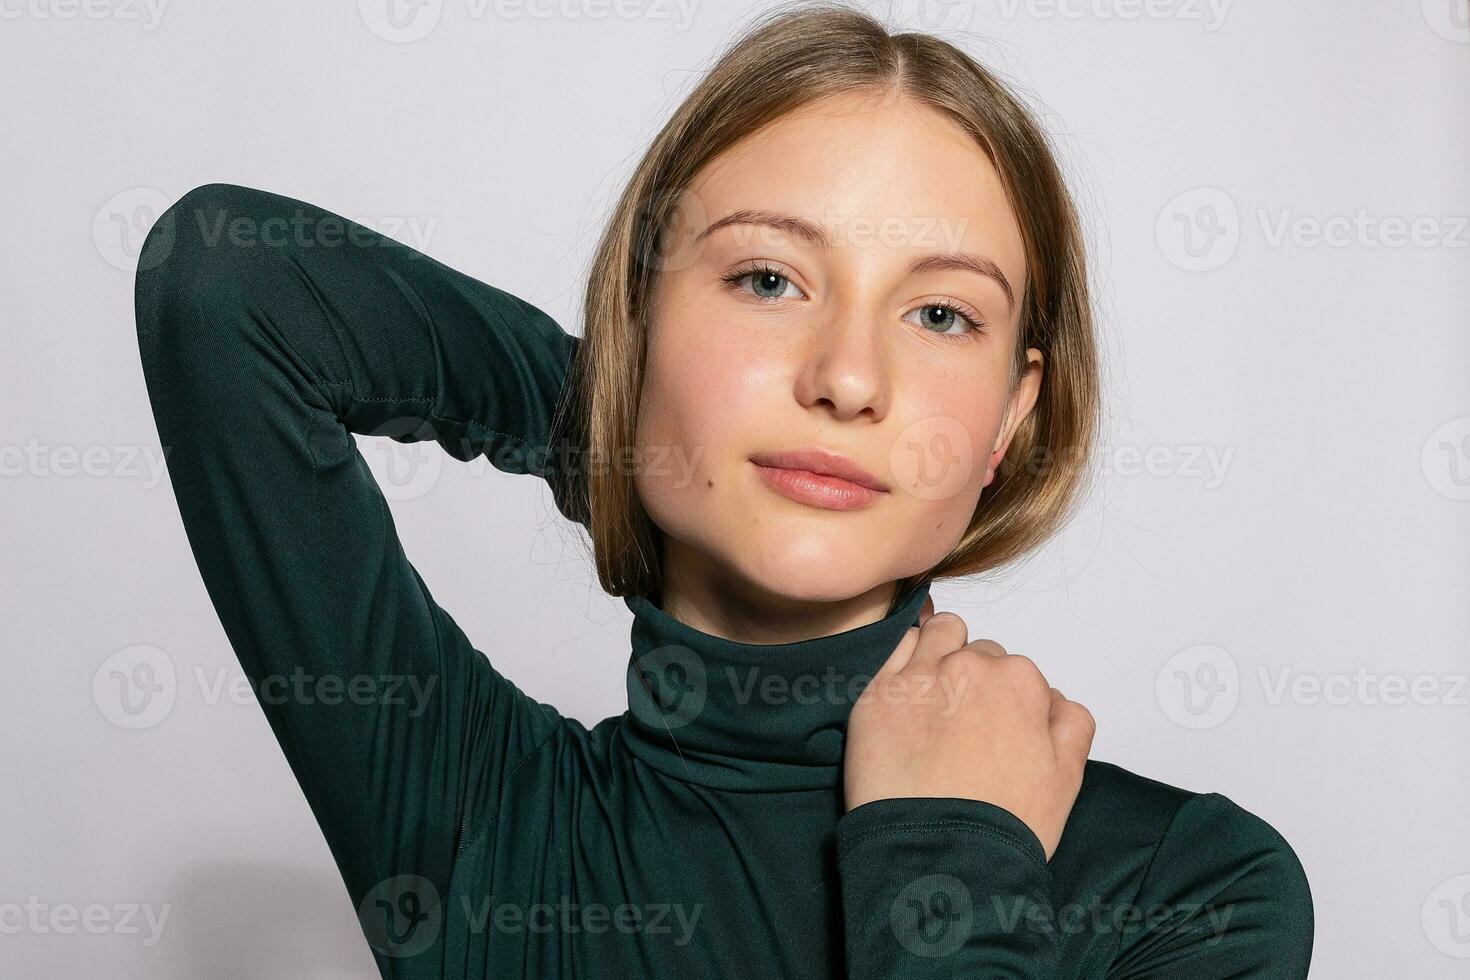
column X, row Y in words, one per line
column 769, row 339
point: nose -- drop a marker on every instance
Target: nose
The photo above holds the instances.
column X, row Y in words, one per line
column 846, row 368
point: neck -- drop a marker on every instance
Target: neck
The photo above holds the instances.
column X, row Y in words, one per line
column 718, row 601
column 720, row 712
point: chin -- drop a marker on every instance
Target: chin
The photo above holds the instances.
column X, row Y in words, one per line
column 808, row 567
column 775, row 547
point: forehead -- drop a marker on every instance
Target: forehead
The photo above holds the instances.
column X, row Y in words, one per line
column 853, row 162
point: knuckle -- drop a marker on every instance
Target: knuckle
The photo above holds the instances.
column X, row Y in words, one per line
column 945, row 622
column 1021, row 662
column 1025, row 671
column 963, row 660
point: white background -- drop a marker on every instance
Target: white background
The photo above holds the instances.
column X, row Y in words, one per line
column 1303, row 516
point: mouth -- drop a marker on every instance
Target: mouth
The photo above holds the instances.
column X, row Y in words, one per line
column 819, row 478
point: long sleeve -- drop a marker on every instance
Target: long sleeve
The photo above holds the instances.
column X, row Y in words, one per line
column 937, row 887
column 944, row 887
column 269, row 331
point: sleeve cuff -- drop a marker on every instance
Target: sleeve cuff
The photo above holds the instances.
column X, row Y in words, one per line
column 939, row 886
column 911, row 814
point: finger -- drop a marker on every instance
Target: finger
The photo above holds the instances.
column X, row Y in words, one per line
column 988, row 647
column 1072, row 729
column 901, row 654
column 942, row 633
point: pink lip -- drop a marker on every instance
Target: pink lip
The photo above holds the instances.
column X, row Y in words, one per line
column 819, row 491
column 819, row 478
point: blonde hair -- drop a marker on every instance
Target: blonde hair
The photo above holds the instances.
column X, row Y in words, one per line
column 781, row 62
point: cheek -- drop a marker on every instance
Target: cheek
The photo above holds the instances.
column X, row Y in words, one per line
column 939, row 459
column 701, row 402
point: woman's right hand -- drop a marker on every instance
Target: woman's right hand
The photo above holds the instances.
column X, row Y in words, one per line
column 950, row 718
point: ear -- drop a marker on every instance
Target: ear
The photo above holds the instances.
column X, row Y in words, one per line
column 1018, row 406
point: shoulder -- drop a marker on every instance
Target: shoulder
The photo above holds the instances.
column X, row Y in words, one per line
column 1203, row 878
column 1173, row 832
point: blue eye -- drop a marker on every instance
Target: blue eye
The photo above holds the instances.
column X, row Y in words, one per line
column 948, row 314
column 768, row 284
column 762, row 277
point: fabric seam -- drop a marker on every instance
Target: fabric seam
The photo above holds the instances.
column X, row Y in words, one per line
column 1148, row 868
column 865, row 836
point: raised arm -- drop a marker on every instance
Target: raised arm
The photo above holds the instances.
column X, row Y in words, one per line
column 265, row 341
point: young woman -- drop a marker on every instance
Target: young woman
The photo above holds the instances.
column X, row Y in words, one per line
column 840, row 318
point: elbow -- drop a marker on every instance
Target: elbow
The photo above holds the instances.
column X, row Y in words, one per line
column 186, row 256
column 193, row 278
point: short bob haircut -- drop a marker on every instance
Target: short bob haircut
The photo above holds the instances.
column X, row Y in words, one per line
column 781, row 62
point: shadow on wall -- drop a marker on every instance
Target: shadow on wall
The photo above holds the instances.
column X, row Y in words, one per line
column 265, row 922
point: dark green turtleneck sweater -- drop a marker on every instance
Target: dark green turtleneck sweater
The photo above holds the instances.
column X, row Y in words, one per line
column 701, row 833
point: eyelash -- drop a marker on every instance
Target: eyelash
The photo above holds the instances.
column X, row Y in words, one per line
column 976, row 323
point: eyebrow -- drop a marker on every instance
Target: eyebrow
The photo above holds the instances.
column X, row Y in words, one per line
column 814, row 234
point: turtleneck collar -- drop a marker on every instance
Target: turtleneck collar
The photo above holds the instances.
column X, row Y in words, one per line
column 750, row 716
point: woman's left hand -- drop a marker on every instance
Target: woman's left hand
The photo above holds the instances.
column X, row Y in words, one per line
column 948, row 718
